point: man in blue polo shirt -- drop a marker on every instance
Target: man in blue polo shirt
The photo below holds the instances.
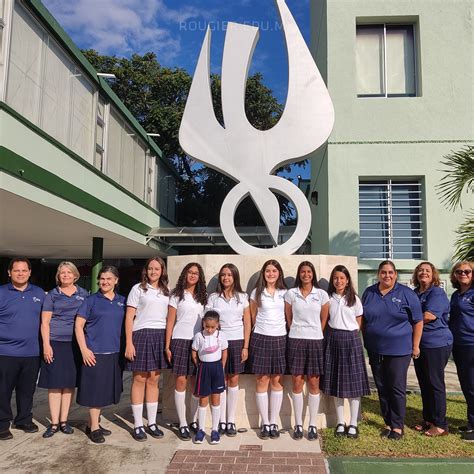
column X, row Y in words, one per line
column 20, row 313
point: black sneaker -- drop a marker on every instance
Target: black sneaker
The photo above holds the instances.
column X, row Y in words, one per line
column 27, row 427
column 231, row 430
column 183, row 433
column 265, row 432
column 468, row 435
column 298, row 432
column 5, row 434
column 222, row 428
column 154, row 431
column 312, row 433
column 193, row 427
column 274, row 431
column 139, row 434
column 97, row 436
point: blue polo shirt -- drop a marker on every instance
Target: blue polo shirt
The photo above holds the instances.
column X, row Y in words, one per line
column 64, row 309
column 388, row 319
column 435, row 333
column 104, row 321
column 461, row 321
column 20, row 315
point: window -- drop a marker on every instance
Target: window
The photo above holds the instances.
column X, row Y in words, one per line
column 385, row 60
column 100, row 136
column 391, row 220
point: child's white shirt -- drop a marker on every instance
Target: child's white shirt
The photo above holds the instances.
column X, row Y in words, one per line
column 210, row 347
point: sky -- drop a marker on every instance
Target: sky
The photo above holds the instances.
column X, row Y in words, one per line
column 174, row 31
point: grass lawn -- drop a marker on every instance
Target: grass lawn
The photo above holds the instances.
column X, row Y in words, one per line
column 413, row 444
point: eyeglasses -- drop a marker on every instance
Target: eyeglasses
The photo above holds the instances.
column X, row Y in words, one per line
column 463, row 272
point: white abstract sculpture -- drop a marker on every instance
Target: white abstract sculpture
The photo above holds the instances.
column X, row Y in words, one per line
column 246, row 154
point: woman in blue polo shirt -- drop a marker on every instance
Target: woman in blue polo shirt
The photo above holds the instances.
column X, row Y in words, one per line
column 98, row 330
column 461, row 323
column 60, row 361
column 392, row 327
column 436, row 345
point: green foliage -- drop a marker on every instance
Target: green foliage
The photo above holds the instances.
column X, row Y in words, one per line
column 413, row 443
column 156, row 96
column 459, row 178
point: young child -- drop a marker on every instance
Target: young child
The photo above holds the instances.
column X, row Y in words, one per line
column 209, row 354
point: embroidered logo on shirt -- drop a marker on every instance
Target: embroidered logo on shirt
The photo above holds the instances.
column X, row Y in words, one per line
column 80, row 298
column 396, row 300
column 36, row 300
column 120, row 304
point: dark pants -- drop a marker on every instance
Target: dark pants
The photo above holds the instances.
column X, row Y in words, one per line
column 390, row 376
column 19, row 374
column 429, row 368
column 464, row 359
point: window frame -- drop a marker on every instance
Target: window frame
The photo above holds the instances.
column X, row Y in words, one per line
column 383, row 25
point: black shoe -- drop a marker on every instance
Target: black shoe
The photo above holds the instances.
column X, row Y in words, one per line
column 5, row 434
column 27, row 427
column 154, row 431
column 338, row 433
column 97, row 436
column 66, row 428
column 264, row 432
column 463, row 429
column 274, row 431
column 139, row 434
column 51, row 431
column 468, row 435
column 312, row 433
column 354, row 435
column 222, row 428
column 193, row 427
column 395, row 435
column 385, row 433
column 104, row 431
column 183, row 433
column 298, row 432
column 231, row 430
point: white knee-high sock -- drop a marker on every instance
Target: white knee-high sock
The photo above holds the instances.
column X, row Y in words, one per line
column 355, row 407
column 180, row 404
column 232, row 397
column 313, row 406
column 262, row 405
column 202, row 412
column 216, row 413
column 151, row 411
column 339, row 410
column 137, row 411
column 298, row 408
column 223, row 406
column 276, row 399
column 194, row 408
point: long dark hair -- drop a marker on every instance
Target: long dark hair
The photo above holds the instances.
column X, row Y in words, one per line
column 200, row 292
column 236, row 288
column 314, row 281
column 261, row 283
column 162, row 282
column 349, row 291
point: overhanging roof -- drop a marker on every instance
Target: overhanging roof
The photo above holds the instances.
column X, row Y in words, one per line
column 205, row 236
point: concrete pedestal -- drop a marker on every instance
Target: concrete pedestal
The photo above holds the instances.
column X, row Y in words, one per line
column 249, row 268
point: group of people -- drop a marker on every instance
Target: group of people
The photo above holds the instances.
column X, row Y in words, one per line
column 305, row 331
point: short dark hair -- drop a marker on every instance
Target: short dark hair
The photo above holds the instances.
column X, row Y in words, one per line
column 18, row 259
column 211, row 315
column 108, row 269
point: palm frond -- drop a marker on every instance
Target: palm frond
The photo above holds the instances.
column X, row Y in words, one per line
column 459, row 175
column 464, row 243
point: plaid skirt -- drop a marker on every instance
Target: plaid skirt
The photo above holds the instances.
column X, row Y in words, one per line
column 234, row 363
column 267, row 354
column 305, row 356
column 181, row 361
column 345, row 372
column 150, row 351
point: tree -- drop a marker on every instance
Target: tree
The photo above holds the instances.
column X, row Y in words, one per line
column 156, row 96
column 459, row 178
